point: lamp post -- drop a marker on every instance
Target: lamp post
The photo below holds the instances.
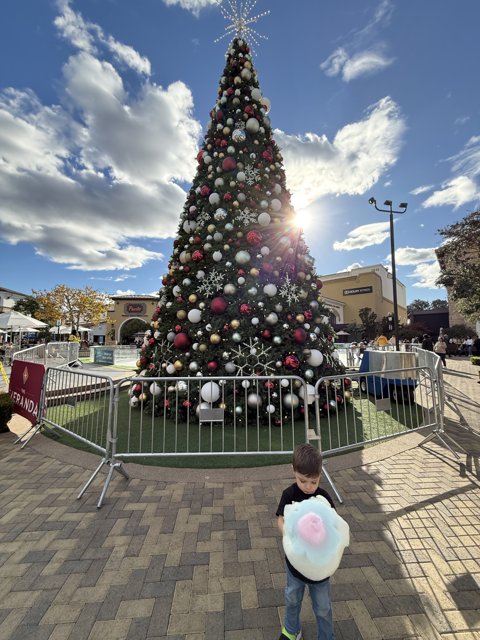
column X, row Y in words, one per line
column 403, row 206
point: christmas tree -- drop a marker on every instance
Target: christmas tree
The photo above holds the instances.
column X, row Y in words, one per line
column 241, row 297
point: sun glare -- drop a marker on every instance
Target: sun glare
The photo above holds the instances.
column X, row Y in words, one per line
column 303, row 219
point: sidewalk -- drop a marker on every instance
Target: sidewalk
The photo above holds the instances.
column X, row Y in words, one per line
column 195, row 555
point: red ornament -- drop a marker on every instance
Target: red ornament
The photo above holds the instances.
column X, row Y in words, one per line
column 219, row 115
column 218, row 305
column 227, row 197
column 205, row 190
column 248, row 109
column 212, row 366
column 178, row 328
column 197, row 256
column 319, row 283
column 254, row 238
column 229, row 91
column 151, row 341
column 182, row 341
column 197, row 240
column 308, row 315
column 266, row 334
column 267, row 155
column 200, row 156
column 223, row 144
column 229, row 164
column 347, row 382
column 267, row 267
column 245, row 309
column 291, row 362
column 299, row 335
column 241, row 272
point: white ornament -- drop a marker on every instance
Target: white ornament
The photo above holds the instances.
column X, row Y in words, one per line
column 242, row 257
column 315, row 358
column 210, row 392
column 214, row 198
column 252, row 125
column 276, row 204
column 270, row 290
column 217, row 256
column 256, row 94
column 264, row 219
column 194, row 316
column 155, row 390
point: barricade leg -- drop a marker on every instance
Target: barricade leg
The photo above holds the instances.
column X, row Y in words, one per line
column 331, row 483
column 113, row 466
column 443, row 437
column 37, row 427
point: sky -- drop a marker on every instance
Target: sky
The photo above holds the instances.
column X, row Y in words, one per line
column 104, row 103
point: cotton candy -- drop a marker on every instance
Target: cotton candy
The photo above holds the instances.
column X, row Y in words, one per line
column 314, row 537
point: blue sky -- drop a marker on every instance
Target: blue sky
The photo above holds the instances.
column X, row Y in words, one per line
column 103, row 104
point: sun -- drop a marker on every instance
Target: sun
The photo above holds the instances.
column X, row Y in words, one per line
column 303, row 218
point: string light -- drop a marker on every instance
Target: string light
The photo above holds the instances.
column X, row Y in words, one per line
column 240, row 20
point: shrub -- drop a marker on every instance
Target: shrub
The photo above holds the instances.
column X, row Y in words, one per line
column 475, row 360
column 6, row 410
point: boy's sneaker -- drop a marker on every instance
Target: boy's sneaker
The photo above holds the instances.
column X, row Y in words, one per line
column 290, row 636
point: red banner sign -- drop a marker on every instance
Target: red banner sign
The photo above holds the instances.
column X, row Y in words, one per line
column 25, row 388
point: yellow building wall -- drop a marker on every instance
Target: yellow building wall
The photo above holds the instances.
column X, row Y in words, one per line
column 343, row 289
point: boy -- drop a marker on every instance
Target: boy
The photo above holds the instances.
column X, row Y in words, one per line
column 307, row 468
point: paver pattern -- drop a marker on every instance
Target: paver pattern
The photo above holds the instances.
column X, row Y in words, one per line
column 195, row 555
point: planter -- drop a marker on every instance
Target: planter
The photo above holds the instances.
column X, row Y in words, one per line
column 6, row 411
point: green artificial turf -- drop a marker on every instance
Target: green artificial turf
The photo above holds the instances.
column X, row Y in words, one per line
column 138, row 432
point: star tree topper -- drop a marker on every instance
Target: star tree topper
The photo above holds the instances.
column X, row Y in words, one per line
column 240, row 20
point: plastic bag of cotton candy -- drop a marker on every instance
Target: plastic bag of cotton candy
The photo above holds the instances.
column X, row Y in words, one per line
column 314, row 537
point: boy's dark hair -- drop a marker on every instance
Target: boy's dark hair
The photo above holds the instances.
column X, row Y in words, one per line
column 307, row 460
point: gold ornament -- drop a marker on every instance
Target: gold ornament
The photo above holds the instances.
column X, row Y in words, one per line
column 237, row 80
column 222, row 405
column 226, row 131
column 211, row 228
column 178, row 364
column 215, row 338
column 254, row 272
column 202, row 347
column 235, row 324
column 155, row 324
column 300, row 318
column 248, row 64
column 226, row 247
column 192, row 298
column 301, row 275
column 236, row 203
column 239, row 234
column 143, row 397
column 181, row 314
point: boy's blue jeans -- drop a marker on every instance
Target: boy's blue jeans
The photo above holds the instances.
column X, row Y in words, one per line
column 321, row 604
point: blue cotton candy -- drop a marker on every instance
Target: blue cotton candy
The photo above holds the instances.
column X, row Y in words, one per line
column 314, row 537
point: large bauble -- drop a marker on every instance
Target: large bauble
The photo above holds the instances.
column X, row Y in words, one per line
column 210, row 392
column 299, row 335
column 239, row 135
column 310, row 393
column 214, row 199
column 290, row 400
column 254, row 400
column 270, row 290
column 272, row 318
column 315, row 358
column 195, row 315
column 242, row 257
column 252, row 125
column 218, row 305
column 229, row 164
column 256, row 94
column 264, row 219
column 182, row 341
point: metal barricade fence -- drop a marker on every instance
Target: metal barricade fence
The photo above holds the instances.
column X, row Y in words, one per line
column 358, row 409
column 53, row 353
column 208, row 416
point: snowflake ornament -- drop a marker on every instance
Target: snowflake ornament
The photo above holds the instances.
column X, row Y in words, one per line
column 202, row 219
column 246, row 217
column 252, row 358
column 252, row 175
column 211, row 283
column 289, row 290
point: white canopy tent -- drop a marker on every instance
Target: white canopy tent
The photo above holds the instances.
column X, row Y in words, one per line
column 64, row 330
column 16, row 322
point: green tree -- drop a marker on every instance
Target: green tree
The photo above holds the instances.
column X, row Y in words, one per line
column 369, row 322
column 29, row 306
column 418, row 305
column 460, row 263
column 439, row 303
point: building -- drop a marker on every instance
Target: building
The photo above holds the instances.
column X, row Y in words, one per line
column 455, row 317
column 432, row 319
column 126, row 309
column 8, row 298
column 363, row 287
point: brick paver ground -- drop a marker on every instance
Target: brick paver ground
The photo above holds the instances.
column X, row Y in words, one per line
column 195, row 555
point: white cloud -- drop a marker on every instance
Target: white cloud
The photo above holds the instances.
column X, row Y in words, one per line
column 463, row 187
column 422, row 189
column 364, row 236
column 85, row 182
column 192, row 5
column 426, row 273
column 411, row 255
column 364, row 55
column 127, row 292
column 456, row 193
column 87, row 36
column 351, row 164
column 364, row 63
column 354, row 265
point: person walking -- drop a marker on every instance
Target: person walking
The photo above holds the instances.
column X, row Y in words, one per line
column 427, row 342
column 440, row 348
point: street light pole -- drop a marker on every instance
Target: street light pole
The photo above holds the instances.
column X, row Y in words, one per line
column 390, row 211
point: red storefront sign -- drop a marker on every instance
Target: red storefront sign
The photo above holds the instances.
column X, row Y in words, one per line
column 25, row 388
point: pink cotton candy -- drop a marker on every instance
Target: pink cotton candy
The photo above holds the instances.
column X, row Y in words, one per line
column 311, row 529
